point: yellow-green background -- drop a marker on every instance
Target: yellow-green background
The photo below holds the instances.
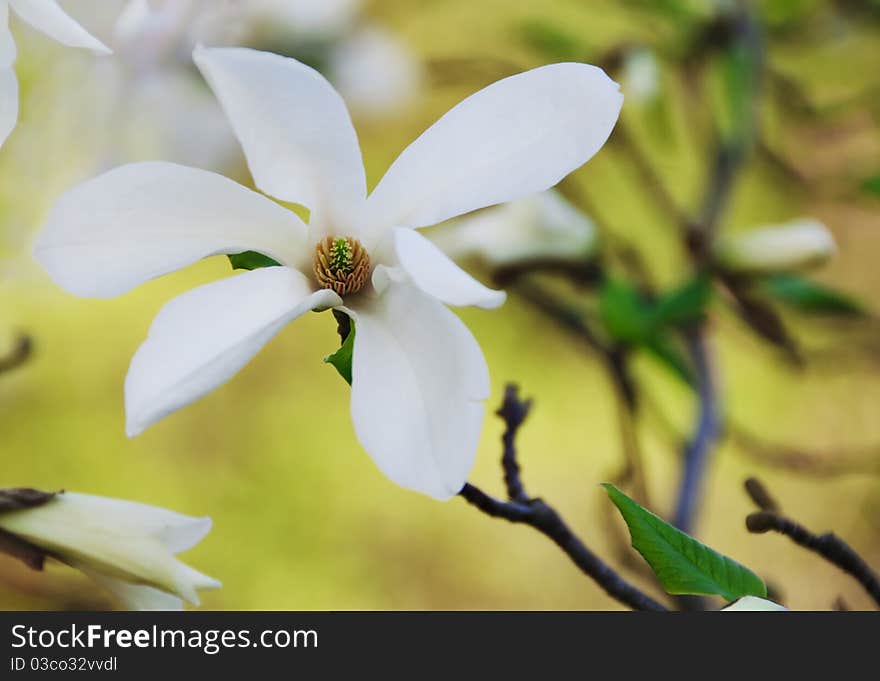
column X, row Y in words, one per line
column 302, row 518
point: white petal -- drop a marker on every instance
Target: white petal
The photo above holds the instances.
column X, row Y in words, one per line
column 753, row 604
column 435, row 274
column 8, row 102
column 111, row 537
column 134, row 596
column 295, row 130
column 175, row 531
column 48, row 17
column 142, row 220
column 7, row 44
column 202, row 338
column 418, row 385
column 518, row 136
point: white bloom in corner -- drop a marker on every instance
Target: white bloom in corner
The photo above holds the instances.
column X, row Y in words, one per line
column 538, row 227
column 795, row 245
column 45, row 16
column 127, row 547
column 753, row 604
column 418, row 376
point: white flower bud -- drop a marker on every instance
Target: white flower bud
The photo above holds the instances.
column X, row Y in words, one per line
column 127, row 547
column 753, row 604
column 792, row 246
column 541, row 226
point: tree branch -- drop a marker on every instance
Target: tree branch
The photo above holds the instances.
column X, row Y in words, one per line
column 706, row 433
column 541, row 516
column 831, row 547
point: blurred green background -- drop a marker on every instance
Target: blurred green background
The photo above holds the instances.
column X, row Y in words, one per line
column 302, row 518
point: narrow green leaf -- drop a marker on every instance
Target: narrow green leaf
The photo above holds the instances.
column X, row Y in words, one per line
column 683, row 565
column 341, row 359
column 251, row 260
column 810, row 296
column 685, row 304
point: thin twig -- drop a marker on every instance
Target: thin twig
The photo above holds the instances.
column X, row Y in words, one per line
column 541, row 516
column 831, row 547
column 514, row 412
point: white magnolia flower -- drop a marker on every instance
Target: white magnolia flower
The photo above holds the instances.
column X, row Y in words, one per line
column 795, row 245
column 45, row 16
column 537, row 227
column 753, row 604
column 418, row 376
column 127, row 547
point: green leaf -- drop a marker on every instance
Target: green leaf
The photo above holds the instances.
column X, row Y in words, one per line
column 551, row 41
column 809, row 296
column 251, row 260
column 683, row 565
column 872, row 185
column 670, row 356
column 341, row 359
column 685, row 304
column 626, row 315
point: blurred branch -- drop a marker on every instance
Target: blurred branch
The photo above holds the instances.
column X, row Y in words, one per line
column 706, row 433
column 541, row 516
column 19, row 354
column 831, row 547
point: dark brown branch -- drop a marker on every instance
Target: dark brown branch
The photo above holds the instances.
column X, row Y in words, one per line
column 828, row 545
column 19, row 354
column 513, row 411
column 541, row 516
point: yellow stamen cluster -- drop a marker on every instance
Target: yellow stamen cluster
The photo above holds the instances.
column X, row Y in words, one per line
column 342, row 264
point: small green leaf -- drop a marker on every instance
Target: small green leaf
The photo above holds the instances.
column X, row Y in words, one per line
column 251, row 260
column 341, row 359
column 665, row 351
column 551, row 41
column 683, row 565
column 809, row 296
column 685, row 304
column 624, row 312
column 872, row 185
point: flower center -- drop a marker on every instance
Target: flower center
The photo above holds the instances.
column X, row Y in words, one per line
column 341, row 264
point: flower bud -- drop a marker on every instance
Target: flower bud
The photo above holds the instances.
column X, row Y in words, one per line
column 539, row 227
column 778, row 248
column 127, row 547
column 753, row 604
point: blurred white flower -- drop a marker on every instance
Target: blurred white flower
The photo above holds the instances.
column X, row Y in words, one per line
column 45, row 16
column 312, row 19
column 641, row 75
column 792, row 246
column 127, row 547
column 374, row 72
column 538, row 227
column 753, row 604
column 418, row 376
